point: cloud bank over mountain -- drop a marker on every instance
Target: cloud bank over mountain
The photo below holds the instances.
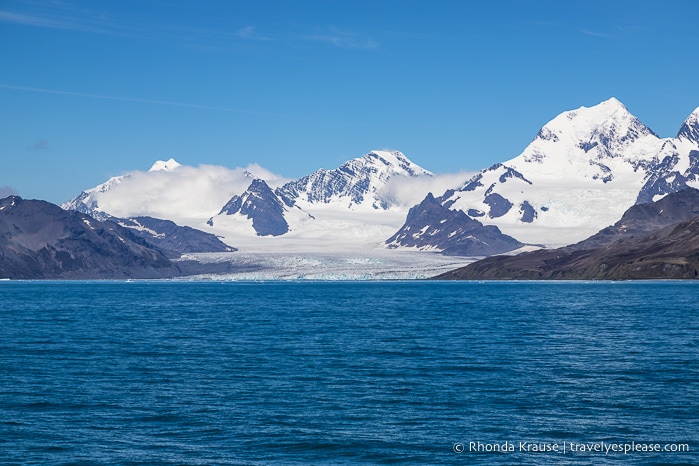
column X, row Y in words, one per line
column 183, row 192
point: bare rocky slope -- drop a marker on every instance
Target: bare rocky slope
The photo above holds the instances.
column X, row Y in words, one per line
column 40, row 240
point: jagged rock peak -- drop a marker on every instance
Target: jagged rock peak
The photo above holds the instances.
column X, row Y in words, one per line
column 690, row 127
column 257, row 190
column 258, row 185
column 167, row 166
column 260, row 204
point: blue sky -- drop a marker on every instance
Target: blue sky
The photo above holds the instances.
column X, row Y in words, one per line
column 92, row 88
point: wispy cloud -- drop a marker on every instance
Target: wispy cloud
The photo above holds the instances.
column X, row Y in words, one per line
column 130, row 99
column 249, row 33
column 62, row 16
column 113, row 21
column 9, row 17
column 629, row 29
column 65, row 16
column 344, row 39
column 604, row 35
column 614, row 32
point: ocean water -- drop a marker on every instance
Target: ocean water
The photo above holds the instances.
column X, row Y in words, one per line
column 182, row 373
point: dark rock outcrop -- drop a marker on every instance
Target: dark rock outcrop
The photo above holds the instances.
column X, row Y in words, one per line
column 690, row 128
column 169, row 236
column 430, row 224
column 528, row 212
column 260, row 204
column 499, row 206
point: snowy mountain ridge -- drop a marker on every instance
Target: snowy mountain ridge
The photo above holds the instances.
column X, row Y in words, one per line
column 348, row 202
column 87, row 202
column 583, row 169
column 321, row 201
column 354, row 183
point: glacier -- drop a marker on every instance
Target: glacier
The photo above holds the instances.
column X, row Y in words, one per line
column 371, row 265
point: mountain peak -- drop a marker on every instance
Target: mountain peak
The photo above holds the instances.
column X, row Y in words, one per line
column 357, row 181
column 261, row 205
column 166, row 166
column 608, row 122
column 610, row 108
column 395, row 161
column 690, row 127
column 612, row 102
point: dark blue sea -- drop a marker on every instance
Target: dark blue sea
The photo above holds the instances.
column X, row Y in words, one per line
column 167, row 372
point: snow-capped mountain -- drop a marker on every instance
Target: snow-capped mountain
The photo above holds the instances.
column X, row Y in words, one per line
column 580, row 173
column 354, row 184
column 677, row 165
column 347, row 205
column 165, row 166
column 184, row 194
column 88, row 201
